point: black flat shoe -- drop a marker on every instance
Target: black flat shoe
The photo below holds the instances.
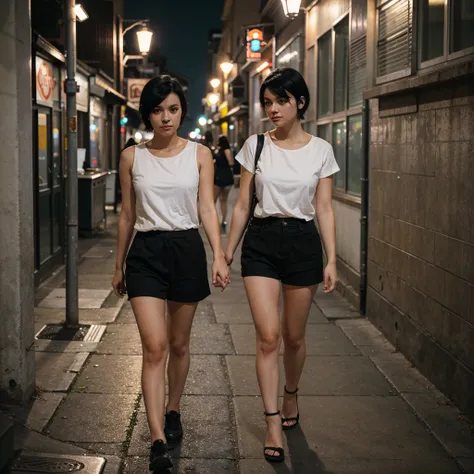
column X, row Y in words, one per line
column 271, row 453
column 295, row 420
column 160, row 458
column 173, row 427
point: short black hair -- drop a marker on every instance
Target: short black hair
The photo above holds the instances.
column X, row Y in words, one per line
column 284, row 80
column 155, row 92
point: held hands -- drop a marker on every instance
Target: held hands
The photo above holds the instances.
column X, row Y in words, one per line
column 330, row 278
column 118, row 284
column 220, row 272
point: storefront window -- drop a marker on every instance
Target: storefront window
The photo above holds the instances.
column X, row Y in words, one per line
column 341, row 63
column 324, row 132
column 354, row 154
column 339, row 146
column 95, row 130
column 256, row 103
column 324, row 74
column 43, row 147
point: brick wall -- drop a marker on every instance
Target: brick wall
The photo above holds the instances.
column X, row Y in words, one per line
column 421, row 231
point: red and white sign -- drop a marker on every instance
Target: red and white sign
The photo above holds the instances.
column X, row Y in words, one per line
column 46, row 82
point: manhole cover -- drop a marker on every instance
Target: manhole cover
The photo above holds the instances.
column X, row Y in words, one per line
column 45, row 464
column 58, row 332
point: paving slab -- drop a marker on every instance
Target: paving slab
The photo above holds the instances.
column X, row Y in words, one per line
column 347, row 428
column 234, row 293
column 113, row 464
column 454, row 431
column 321, row 339
column 53, row 370
column 37, row 412
column 86, row 316
column 121, row 339
column 117, row 374
column 98, row 267
column 139, row 465
column 45, row 345
column 322, row 375
column 308, row 462
column 83, row 303
column 211, row 339
column 401, row 373
column 208, row 430
column 113, row 449
column 93, row 418
column 126, row 316
column 207, row 376
column 83, row 293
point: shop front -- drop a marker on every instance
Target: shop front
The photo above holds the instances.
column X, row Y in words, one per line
column 48, row 161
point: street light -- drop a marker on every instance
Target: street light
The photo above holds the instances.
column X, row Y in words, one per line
column 291, row 8
column 213, row 98
column 226, row 67
column 144, row 36
column 215, row 83
column 81, row 14
column 202, row 121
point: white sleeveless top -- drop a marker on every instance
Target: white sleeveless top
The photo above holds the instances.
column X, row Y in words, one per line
column 166, row 189
column 286, row 180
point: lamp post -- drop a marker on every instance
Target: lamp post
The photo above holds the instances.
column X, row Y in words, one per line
column 144, row 36
column 72, row 288
column 291, row 8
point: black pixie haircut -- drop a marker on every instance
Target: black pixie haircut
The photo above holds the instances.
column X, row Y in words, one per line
column 284, row 80
column 155, row 92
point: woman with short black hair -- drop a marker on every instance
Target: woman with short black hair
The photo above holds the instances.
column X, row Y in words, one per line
column 282, row 245
column 166, row 263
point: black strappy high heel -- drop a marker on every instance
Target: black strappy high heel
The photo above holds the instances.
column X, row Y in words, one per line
column 278, row 453
column 295, row 420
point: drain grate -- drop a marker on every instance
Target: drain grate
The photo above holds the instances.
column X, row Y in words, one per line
column 46, row 464
column 58, row 332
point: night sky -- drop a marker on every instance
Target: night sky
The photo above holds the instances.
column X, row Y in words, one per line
column 180, row 30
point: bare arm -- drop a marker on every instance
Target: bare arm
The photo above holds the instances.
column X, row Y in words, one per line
column 241, row 213
column 327, row 226
column 127, row 216
column 207, row 210
column 230, row 158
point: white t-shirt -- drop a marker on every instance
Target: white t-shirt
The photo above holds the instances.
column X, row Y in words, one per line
column 286, row 180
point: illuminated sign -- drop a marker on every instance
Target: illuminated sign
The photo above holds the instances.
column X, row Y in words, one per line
column 254, row 44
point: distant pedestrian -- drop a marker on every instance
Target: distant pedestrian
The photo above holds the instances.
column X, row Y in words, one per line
column 166, row 263
column 223, row 176
column 209, row 141
column 282, row 244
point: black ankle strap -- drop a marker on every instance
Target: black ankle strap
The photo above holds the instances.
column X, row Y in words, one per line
column 272, row 414
column 291, row 393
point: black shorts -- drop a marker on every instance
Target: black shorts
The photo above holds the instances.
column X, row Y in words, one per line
column 288, row 250
column 170, row 265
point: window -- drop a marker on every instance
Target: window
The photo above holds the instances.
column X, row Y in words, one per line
column 324, row 74
column 292, row 55
column 447, row 27
column 324, row 132
column 394, row 40
column 341, row 61
column 339, row 146
column 311, row 112
column 354, row 153
column 256, row 103
column 432, row 29
column 463, row 18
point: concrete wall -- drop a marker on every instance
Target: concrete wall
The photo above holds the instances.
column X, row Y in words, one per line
column 421, row 231
column 16, row 211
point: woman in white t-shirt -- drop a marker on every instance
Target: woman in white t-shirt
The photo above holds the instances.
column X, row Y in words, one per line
column 282, row 243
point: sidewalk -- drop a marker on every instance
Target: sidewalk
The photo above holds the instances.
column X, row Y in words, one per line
column 363, row 408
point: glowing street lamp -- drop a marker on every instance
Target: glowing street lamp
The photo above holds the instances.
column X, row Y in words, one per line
column 215, row 83
column 291, row 8
column 213, row 98
column 144, row 40
column 81, row 14
column 226, row 67
column 202, row 121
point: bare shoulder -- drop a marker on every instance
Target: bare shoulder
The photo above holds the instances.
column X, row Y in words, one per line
column 127, row 156
column 203, row 153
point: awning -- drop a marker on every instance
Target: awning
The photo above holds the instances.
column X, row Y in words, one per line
column 100, row 88
column 240, row 110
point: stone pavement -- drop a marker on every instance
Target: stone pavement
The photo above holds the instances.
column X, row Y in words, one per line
column 364, row 408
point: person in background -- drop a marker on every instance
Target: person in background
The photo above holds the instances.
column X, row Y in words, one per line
column 209, row 141
column 223, row 176
column 166, row 264
column 282, row 249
